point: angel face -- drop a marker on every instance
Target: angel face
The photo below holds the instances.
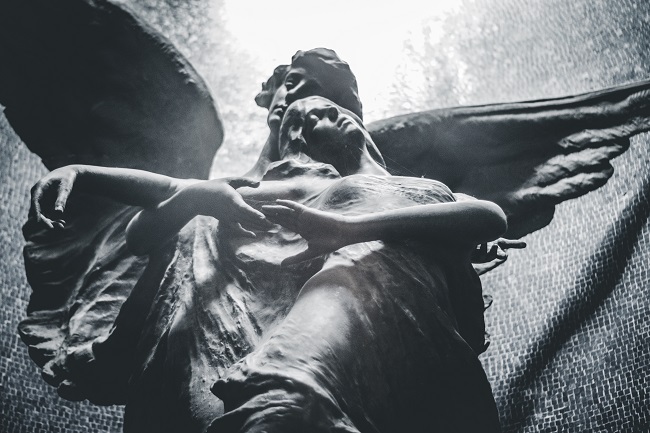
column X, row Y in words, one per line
column 298, row 83
column 317, row 129
column 316, row 72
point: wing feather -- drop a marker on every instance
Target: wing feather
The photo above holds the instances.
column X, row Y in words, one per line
column 525, row 156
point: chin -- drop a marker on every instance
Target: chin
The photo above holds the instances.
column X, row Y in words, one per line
column 357, row 138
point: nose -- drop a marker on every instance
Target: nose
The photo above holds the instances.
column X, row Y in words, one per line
column 316, row 114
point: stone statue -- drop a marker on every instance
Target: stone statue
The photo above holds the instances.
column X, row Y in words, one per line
column 350, row 305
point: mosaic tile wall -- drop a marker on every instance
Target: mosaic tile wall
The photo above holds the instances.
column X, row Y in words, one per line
column 570, row 321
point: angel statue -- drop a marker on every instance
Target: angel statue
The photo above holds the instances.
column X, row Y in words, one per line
column 330, row 289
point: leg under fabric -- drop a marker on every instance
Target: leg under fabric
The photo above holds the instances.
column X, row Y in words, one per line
column 351, row 357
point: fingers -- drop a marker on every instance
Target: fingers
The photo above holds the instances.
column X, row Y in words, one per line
column 511, row 243
column 286, row 213
column 49, row 198
column 240, row 231
column 252, row 222
column 487, row 267
column 238, row 182
column 496, row 255
column 282, row 215
column 497, row 262
column 62, row 197
column 58, row 224
column 37, row 195
column 292, row 205
column 50, row 224
column 482, row 268
column 36, row 209
column 248, row 216
column 42, row 219
column 497, row 250
column 274, row 209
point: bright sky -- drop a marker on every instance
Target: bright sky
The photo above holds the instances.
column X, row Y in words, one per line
column 369, row 35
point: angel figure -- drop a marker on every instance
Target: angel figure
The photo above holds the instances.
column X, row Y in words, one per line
column 349, row 305
column 291, row 346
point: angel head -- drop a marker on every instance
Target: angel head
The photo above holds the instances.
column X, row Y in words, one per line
column 317, row 72
column 321, row 130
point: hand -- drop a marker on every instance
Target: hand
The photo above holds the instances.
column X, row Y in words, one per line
column 492, row 254
column 324, row 231
column 50, row 196
column 218, row 198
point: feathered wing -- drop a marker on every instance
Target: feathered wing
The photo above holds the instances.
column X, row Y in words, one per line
column 525, row 156
column 85, row 81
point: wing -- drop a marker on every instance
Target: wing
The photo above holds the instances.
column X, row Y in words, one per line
column 85, row 81
column 526, row 156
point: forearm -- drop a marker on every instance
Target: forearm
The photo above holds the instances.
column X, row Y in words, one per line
column 459, row 223
column 128, row 186
column 216, row 198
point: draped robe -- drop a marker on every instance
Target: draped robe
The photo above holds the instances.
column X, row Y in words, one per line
column 374, row 337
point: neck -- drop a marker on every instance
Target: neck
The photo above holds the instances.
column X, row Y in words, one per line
column 365, row 164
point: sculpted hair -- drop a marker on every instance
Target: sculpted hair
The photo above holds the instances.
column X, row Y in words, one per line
column 341, row 83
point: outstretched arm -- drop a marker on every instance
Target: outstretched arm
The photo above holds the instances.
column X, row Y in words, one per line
column 169, row 203
column 124, row 185
column 465, row 223
column 216, row 198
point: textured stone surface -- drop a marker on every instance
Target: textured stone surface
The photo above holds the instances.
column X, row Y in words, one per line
column 569, row 323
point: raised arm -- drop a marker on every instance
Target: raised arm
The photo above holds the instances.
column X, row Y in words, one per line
column 459, row 223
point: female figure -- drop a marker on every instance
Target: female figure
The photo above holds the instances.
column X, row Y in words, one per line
column 385, row 335
column 379, row 332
